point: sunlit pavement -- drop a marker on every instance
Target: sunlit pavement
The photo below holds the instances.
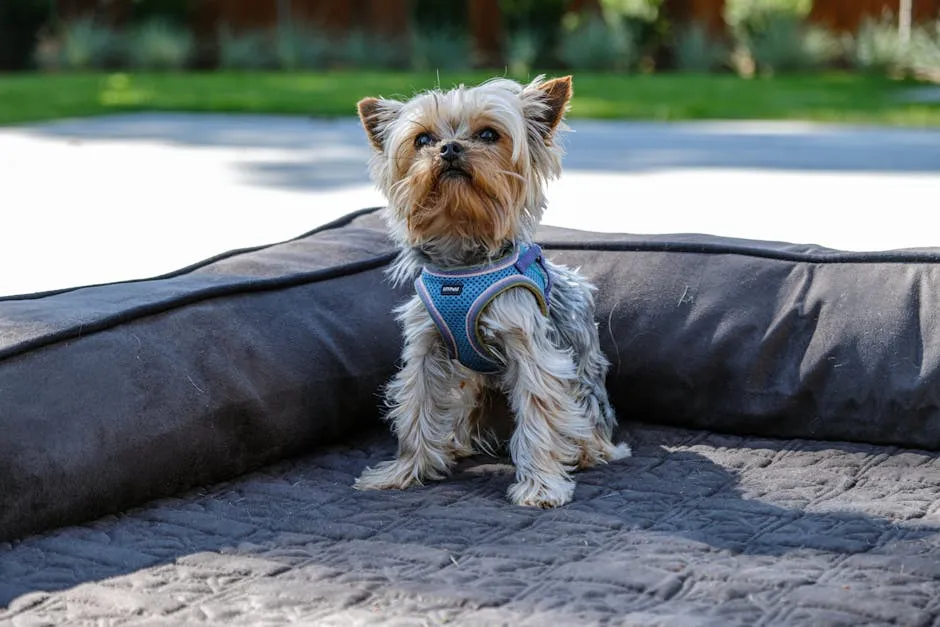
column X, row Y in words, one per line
column 123, row 197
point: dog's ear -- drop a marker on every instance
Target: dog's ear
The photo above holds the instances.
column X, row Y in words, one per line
column 546, row 103
column 376, row 115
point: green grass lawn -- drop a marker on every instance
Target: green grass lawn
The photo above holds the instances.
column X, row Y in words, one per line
column 823, row 97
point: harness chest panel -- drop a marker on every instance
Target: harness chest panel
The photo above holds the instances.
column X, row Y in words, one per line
column 457, row 298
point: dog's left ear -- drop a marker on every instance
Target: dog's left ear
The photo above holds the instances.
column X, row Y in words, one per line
column 546, row 103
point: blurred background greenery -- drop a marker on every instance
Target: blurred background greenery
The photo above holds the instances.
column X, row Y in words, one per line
column 81, row 57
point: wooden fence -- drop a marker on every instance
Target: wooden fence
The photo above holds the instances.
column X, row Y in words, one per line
column 847, row 15
column 391, row 18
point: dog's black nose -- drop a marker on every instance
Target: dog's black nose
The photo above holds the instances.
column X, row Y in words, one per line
column 451, row 151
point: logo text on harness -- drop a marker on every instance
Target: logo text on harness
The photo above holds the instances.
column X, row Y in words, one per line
column 451, row 289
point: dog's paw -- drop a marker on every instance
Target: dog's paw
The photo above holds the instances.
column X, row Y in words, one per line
column 543, row 492
column 394, row 474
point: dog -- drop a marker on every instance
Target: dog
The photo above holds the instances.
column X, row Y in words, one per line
column 464, row 173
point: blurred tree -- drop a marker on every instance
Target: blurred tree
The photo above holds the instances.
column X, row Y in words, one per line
column 846, row 16
column 389, row 19
column 486, row 28
column 645, row 10
column 20, row 22
column 177, row 11
column 644, row 19
column 284, row 19
column 904, row 21
column 540, row 21
column 685, row 20
column 434, row 15
column 708, row 13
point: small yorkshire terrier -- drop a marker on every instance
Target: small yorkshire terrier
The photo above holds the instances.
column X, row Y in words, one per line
column 464, row 174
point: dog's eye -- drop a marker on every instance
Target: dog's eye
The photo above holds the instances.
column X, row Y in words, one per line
column 488, row 135
column 422, row 140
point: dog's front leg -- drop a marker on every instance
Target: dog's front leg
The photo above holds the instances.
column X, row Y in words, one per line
column 424, row 404
column 539, row 381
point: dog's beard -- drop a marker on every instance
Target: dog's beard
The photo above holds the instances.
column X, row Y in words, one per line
column 478, row 202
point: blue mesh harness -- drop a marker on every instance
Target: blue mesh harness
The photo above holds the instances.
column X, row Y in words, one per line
column 456, row 300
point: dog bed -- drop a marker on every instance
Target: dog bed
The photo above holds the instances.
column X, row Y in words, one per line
column 696, row 528
column 117, row 394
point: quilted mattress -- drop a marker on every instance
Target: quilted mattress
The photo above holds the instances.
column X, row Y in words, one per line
column 695, row 529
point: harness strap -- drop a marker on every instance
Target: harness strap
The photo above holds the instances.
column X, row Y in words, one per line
column 534, row 253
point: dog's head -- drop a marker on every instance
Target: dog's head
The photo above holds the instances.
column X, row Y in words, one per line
column 467, row 166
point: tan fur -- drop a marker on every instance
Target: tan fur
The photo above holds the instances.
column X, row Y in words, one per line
column 481, row 208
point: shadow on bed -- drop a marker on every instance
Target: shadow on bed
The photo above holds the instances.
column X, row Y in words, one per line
column 687, row 506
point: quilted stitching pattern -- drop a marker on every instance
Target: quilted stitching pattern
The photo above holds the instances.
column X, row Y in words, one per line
column 696, row 528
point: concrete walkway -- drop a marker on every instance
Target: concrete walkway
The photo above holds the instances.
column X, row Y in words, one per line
column 132, row 196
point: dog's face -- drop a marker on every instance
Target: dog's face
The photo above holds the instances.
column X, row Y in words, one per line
column 469, row 164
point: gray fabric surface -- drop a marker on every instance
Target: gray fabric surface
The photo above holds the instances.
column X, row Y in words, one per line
column 695, row 529
column 117, row 394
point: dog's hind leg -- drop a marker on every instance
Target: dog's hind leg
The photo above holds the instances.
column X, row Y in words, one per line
column 574, row 326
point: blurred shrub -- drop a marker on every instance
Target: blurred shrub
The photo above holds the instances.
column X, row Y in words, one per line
column 244, row 51
column 746, row 18
column 773, row 36
column 355, row 50
column 697, row 51
column 878, row 48
column 639, row 10
column 300, row 47
column 625, row 32
column 643, row 19
column 596, row 44
column 48, row 53
column 786, row 44
column 440, row 50
column 826, row 48
column 522, row 49
column 79, row 45
column 924, row 52
column 360, row 50
column 778, row 45
column 159, row 44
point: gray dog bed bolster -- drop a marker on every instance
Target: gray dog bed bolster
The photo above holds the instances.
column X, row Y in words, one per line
column 112, row 395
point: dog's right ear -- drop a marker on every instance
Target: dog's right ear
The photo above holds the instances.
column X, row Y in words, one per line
column 376, row 115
